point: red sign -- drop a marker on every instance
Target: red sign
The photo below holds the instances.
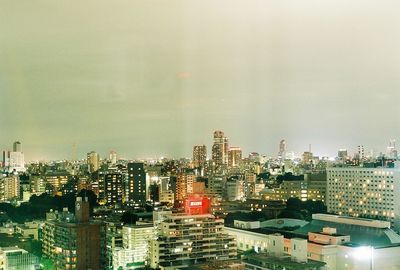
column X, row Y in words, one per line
column 197, row 205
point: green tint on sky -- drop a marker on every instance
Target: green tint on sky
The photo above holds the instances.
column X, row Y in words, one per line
column 153, row 78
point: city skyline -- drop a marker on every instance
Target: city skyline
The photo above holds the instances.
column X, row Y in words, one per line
column 153, row 79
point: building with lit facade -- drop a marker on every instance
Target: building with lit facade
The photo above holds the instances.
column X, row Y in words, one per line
column 113, row 191
column 234, row 156
column 9, row 188
column 336, row 242
column 364, row 192
column 220, row 149
column 135, row 245
column 199, row 155
column 183, row 240
column 136, row 190
column 15, row 258
column 73, row 241
column 93, row 161
column 184, row 185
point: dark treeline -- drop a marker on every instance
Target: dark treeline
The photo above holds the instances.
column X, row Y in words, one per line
column 38, row 206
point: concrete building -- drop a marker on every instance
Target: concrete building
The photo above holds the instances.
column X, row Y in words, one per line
column 220, row 149
column 338, row 242
column 135, row 246
column 9, row 188
column 75, row 242
column 136, row 183
column 234, row 156
column 113, row 191
column 185, row 240
column 199, row 156
column 93, row 161
column 14, row 258
column 364, row 192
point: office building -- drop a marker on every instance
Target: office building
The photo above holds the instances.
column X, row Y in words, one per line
column 15, row 258
column 73, row 241
column 335, row 242
column 234, row 156
column 136, row 183
column 9, row 188
column 364, row 192
column 282, row 149
column 93, row 161
column 113, row 157
column 186, row 240
column 220, row 149
column 113, row 191
column 135, row 246
column 199, row 156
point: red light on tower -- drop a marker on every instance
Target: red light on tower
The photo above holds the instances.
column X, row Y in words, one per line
column 197, row 205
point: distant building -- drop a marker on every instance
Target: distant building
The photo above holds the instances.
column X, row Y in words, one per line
column 136, row 183
column 113, row 157
column 234, row 156
column 93, row 161
column 113, row 188
column 342, row 154
column 199, row 156
column 282, row 149
column 9, row 188
column 220, row 149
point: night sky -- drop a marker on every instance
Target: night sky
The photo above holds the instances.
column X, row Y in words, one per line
column 153, row 78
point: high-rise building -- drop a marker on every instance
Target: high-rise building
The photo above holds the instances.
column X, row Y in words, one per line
column 93, row 161
column 113, row 191
column 361, row 152
column 184, row 185
column 113, row 157
column 135, row 246
column 9, row 188
column 364, row 192
column 220, row 149
column 185, row 240
column 234, row 156
column 78, row 243
column 391, row 149
column 342, row 154
column 199, row 155
column 282, row 149
column 136, row 183
column 17, row 147
column 14, row 160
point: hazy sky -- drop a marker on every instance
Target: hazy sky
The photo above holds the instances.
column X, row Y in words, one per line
column 153, row 78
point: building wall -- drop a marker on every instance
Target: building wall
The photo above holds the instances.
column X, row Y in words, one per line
column 368, row 192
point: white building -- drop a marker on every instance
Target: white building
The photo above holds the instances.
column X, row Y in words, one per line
column 135, row 246
column 185, row 240
column 339, row 242
column 364, row 192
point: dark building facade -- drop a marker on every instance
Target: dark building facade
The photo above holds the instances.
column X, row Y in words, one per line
column 136, row 183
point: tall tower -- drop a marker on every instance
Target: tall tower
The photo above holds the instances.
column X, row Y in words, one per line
column 93, row 160
column 136, row 183
column 234, row 156
column 361, row 152
column 282, row 149
column 220, row 149
column 17, row 147
column 199, row 155
column 16, row 159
